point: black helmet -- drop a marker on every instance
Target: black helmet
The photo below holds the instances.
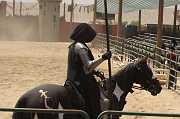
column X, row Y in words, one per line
column 83, row 33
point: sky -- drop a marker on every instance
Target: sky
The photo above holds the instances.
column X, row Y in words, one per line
column 67, row 1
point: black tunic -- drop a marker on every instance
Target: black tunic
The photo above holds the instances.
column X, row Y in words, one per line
column 86, row 83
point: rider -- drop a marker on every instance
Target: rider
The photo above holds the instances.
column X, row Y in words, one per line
column 81, row 67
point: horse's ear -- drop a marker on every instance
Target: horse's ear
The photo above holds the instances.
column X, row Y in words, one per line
column 143, row 60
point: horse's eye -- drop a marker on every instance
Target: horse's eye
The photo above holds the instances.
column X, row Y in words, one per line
column 139, row 68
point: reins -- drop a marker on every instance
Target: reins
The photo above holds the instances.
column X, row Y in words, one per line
column 138, row 87
column 102, row 77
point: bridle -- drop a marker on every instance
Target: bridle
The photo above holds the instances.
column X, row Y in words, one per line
column 100, row 74
column 149, row 85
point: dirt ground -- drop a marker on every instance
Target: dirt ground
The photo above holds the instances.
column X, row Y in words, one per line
column 24, row 65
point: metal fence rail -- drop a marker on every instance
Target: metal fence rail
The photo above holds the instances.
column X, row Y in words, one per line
column 64, row 111
column 142, row 46
column 118, row 113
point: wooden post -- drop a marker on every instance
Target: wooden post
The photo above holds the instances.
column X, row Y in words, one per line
column 160, row 23
column 14, row 7
column 20, row 8
column 139, row 25
column 175, row 18
column 64, row 10
column 72, row 11
column 120, row 25
column 94, row 18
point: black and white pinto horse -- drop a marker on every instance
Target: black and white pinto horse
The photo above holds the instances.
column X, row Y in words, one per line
column 53, row 96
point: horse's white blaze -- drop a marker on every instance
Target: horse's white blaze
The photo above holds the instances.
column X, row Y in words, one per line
column 60, row 114
column 35, row 116
column 118, row 92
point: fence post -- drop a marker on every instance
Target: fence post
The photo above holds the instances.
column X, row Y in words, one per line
column 154, row 56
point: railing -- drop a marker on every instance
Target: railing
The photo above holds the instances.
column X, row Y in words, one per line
column 118, row 113
column 64, row 111
column 85, row 115
column 143, row 46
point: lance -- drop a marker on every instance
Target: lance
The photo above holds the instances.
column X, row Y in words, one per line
column 108, row 49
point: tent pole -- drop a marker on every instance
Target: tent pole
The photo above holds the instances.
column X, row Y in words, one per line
column 94, row 17
column 64, row 14
column 72, row 11
column 14, row 5
column 139, row 24
column 120, row 25
column 160, row 23
column 20, row 11
column 175, row 18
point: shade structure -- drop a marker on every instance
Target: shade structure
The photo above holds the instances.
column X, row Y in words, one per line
column 132, row 5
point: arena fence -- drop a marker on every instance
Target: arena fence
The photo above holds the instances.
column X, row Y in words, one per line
column 32, row 110
column 144, row 46
column 118, row 113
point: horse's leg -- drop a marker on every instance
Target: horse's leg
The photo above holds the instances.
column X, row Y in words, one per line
column 48, row 116
column 92, row 98
column 22, row 115
column 55, row 116
column 115, row 117
column 72, row 116
column 116, row 106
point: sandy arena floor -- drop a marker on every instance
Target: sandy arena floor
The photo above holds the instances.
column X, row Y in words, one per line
column 24, row 65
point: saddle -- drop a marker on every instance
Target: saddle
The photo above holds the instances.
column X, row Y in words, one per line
column 77, row 98
column 106, row 102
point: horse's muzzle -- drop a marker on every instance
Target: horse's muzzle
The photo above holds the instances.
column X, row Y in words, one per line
column 155, row 92
column 155, row 88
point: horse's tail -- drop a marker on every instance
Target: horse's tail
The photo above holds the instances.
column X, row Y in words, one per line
column 22, row 115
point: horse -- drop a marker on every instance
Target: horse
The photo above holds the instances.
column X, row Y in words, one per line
column 54, row 96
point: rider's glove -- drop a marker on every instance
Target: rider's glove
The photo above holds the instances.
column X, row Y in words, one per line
column 107, row 55
column 99, row 74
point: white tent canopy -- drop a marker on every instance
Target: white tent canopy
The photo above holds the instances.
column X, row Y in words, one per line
column 132, row 5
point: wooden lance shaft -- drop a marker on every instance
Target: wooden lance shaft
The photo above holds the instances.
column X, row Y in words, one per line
column 108, row 49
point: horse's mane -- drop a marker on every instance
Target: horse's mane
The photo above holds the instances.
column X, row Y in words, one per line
column 124, row 71
column 124, row 77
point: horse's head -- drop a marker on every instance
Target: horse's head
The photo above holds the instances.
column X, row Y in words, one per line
column 144, row 77
column 137, row 72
